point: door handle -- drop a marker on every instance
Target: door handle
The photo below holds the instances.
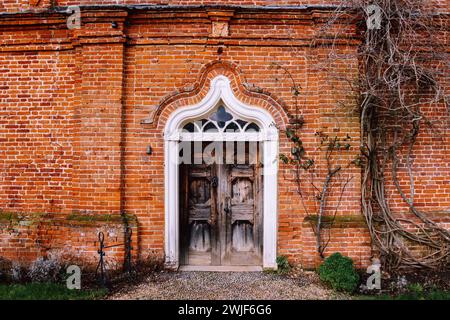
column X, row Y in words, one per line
column 214, row 182
column 227, row 208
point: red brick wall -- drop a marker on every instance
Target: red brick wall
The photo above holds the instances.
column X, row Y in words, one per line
column 37, row 90
column 72, row 104
column 73, row 239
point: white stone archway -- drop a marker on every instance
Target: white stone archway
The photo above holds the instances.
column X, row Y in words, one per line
column 221, row 92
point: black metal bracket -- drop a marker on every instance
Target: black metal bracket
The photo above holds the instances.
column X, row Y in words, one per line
column 100, row 271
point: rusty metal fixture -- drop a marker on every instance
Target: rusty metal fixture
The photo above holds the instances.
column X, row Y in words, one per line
column 100, row 271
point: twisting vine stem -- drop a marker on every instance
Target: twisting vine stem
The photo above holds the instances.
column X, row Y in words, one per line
column 319, row 188
column 402, row 72
column 397, row 80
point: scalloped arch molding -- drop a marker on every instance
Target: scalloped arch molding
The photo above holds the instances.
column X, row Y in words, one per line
column 192, row 93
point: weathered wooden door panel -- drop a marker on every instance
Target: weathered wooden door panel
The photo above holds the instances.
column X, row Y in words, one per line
column 221, row 220
column 198, row 221
column 243, row 215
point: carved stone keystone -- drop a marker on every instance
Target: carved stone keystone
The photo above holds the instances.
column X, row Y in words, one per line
column 220, row 22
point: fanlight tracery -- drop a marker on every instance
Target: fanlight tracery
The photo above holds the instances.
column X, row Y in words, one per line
column 221, row 121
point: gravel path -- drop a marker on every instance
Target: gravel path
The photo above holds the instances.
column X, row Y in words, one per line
column 226, row 286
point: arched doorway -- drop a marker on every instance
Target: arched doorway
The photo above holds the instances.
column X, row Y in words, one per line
column 221, row 162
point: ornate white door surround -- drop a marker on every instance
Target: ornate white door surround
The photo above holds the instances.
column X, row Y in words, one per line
column 221, row 94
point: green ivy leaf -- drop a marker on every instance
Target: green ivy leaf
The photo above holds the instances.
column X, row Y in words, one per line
column 284, row 158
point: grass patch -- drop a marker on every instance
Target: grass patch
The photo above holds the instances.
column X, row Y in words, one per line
column 47, row 291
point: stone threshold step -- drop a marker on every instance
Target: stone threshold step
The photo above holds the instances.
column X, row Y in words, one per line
column 222, row 268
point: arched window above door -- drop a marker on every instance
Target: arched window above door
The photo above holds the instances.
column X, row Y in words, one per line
column 221, row 121
column 220, row 116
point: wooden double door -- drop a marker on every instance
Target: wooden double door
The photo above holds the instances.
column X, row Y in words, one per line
column 221, row 214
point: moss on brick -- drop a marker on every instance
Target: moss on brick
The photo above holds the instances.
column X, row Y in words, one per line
column 113, row 218
column 8, row 217
column 33, row 219
column 28, row 219
column 346, row 221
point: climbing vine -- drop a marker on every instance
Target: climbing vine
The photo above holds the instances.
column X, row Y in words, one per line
column 399, row 77
column 319, row 185
column 402, row 71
